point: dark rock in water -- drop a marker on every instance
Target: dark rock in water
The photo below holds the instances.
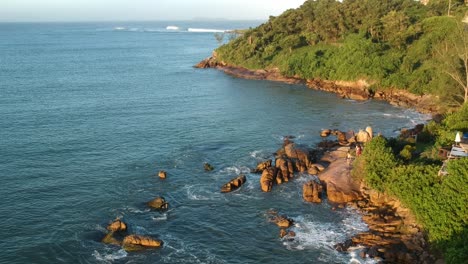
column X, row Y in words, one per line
column 158, row 203
column 137, row 242
column 262, row 166
column 208, row 167
column 117, row 226
column 342, row 247
column 162, row 174
column 233, row 184
column 312, row 192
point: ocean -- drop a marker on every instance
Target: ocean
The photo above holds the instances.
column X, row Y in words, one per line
column 90, row 112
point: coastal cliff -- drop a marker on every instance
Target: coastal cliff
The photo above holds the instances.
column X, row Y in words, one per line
column 359, row 90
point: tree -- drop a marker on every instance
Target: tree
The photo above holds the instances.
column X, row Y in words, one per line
column 219, row 37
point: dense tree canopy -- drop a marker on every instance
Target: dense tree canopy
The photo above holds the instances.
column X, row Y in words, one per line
column 392, row 43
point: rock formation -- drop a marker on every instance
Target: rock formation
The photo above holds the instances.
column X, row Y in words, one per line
column 312, row 192
column 268, row 178
column 262, row 166
column 117, row 226
column 137, row 242
column 158, row 203
column 162, row 174
column 233, row 184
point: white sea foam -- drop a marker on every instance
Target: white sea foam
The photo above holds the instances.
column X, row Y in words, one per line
column 163, row 217
column 313, row 234
column 206, row 30
column 109, row 257
column 235, row 170
column 172, row 28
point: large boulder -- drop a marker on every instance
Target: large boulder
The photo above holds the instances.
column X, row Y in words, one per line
column 117, row 226
column 137, row 242
column 300, row 156
column 337, row 195
column 268, row 178
column 363, row 136
column 261, row 166
column 312, row 192
column 158, row 203
column 286, row 168
column 234, row 184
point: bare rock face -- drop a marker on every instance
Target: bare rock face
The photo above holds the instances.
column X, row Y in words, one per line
column 158, row 203
column 137, row 242
column 234, row 184
column 117, row 226
column 262, row 166
column 312, row 192
column 336, row 195
column 268, row 178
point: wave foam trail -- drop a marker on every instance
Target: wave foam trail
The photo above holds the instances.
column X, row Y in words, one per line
column 172, row 28
column 109, row 257
column 206, row 30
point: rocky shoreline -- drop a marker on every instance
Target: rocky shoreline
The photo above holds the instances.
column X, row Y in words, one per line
column 393, row 236
column 359, row 90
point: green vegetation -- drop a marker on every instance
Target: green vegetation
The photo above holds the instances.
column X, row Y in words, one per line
column 438, row 202
column 391, row 44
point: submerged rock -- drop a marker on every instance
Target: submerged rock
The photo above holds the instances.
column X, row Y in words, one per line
column 283, row 221
column 137, row 242
column 110, row 239
column 208, row 166
column 158, row 203
column 234, row 184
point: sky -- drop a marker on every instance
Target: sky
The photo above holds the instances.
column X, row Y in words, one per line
column 136, row 10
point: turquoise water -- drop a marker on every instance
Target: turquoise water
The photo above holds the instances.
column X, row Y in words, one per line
column 89, row 113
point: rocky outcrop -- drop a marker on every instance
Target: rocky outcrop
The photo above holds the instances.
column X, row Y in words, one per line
column 158, row 203
column 234, row 184
column 268, row 178
column 261, row 166
column 137, row 242
column 357, row 90
column 162, row 174
column 117, row 226
column 312, row 192
column 110, row 239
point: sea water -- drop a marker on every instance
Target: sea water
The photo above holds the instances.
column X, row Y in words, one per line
column 90, row 112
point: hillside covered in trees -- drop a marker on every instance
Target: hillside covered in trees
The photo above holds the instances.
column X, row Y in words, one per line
column 400, row 44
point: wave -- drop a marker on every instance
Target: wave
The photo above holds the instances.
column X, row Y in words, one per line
column 313, row 234
column 206, row 30
column 172, row 28
column 110, row 257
